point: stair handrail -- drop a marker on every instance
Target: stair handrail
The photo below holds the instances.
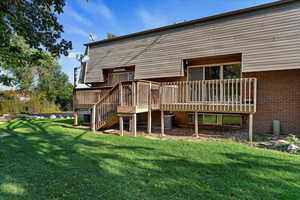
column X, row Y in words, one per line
column 99, row 103
column 117, row 85
column 110, row 92
column 105, row 96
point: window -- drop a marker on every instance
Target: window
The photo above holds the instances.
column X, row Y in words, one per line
column 196, row 73
column 212, row 119
column 191, row 118
column 216, row 119
column 212, row 73
column 232, row 120
column 224, row 71
column 114, row 78
column 206, row 119
column 231, row 71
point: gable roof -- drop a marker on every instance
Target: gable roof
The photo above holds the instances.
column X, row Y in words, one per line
column 191, row 22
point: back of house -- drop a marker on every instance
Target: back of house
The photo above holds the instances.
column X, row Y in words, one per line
column 232, row 69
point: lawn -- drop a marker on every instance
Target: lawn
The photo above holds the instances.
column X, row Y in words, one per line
column 48, row 159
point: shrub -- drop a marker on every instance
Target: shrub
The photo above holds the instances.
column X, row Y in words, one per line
column 292, row 139
column 37, row 103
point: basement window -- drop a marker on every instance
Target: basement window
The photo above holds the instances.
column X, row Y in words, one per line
column 233, row 120
column 212, row 119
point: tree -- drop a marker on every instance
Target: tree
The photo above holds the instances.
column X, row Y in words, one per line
column 30, row 44
column 17, row 68
column 110, row 35
column 36, row 21
column 41, row 78
column 65, row 99
column 56, row 86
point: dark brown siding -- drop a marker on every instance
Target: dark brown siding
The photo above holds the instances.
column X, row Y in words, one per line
column 215, row 60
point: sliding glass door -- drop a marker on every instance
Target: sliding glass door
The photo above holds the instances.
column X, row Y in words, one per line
column 212, row 72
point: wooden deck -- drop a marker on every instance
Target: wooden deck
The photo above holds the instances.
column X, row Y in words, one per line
column 132, row 97
column 222, row 96
column 85, row 98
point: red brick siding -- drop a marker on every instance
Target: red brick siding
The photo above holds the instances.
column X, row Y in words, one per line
column 278, row 98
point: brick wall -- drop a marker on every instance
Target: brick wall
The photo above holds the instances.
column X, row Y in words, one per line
column 278, row 98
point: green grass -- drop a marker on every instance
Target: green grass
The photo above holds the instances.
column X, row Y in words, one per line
column 48, row 159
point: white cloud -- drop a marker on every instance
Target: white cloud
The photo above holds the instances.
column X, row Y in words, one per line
column 76, row 30
column 151, row 20
column 98, row 8
column 104, row 11
column 82, row 20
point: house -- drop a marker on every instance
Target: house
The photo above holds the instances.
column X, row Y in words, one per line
column 237, row 68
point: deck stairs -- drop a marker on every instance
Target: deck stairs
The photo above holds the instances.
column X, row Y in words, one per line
column 105, row 110
column 126, row 99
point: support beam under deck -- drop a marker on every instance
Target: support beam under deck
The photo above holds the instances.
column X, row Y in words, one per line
column 134, row 124
column 75, row 118
column 93, row 120
column 162, row 124
column 196, row 124
column 121, row 124
column 149, row 122
column 251, row 128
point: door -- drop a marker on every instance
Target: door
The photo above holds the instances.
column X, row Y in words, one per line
column 202, row 93
column 207, row 93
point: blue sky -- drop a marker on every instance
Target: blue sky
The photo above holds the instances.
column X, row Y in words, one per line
column 119, row 17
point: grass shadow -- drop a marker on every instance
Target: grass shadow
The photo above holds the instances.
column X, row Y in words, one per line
column 49, row 160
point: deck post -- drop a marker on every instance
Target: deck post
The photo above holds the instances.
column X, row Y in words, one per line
column 149, row 121
column 133, row 93
column 149, row 109
column 74, row 98
column 93, row 119
column 121, row 125
column 196, row 124
column 75, row 118
column 121, row 93
column 134, row 125
column 162, row 123
column 251, row 128
column 130, row 124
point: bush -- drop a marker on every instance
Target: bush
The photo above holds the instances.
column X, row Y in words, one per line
column 37, row 103
column 12, row 105
column 292, row 139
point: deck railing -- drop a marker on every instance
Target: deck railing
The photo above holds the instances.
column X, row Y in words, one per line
column 228, row 95
column 106, row 108
column 223, row 96
column 85, row 98
column 125, row 97
column 147, row 94
column 137, row 96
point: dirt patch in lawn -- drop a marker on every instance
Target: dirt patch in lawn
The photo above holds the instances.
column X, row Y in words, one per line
column 186, row 134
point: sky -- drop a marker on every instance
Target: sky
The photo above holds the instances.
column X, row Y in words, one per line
column 120, row 17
